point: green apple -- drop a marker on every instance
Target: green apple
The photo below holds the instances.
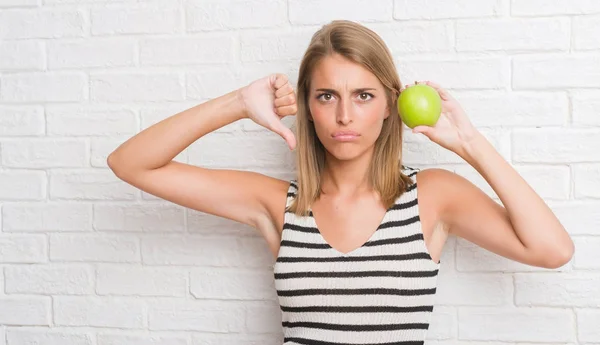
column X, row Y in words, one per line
column 419, row 105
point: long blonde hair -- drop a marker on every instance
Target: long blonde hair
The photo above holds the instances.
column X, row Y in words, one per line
column 362, row 46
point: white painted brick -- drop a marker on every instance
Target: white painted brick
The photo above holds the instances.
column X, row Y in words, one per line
column 23, row 249
column 94, row 248
column 303, row 12
column 207, row 224
column 237, row 339
column 585, row 108
column 41, row 23
column 463, row 73
column 579, row 218
column 213, row 49
column 203, row 316
column 255, row 70
column 97, row 52
column 202, row 15
column 560, row 290
column 136, row 87
column 35, row 336
column 555, row 145
column 90, row 121
column 278, row 45
column 102, row 147
column 516, row 324
column 440, row 9
column 115, row 312
column 225, row 283
column 21, row 55
column 18, row 3
column 145, row 18
column 47, row 217
column 43, row 87
column 141, row 281
column 472, row 258
column 553, row 7
column 556, row 71
column 21, row 120
column 419, row 37
column 514, row 109
column 210, row 83
column 49, row 279
column 587, row 325
column 25, row 311
column 513, row 34
column 141, row 339
column 141, row 218
column 218, row 150
column 586, row 254
column 550, row 182
column 89, row 185
column 205, row 251
column 474, row 289
column 22, row 185
column 263, row 317
column 64, row 2
column 587, row 180
column 44, row 153
column 2, row 336
column 585, row 32
column 443, row 323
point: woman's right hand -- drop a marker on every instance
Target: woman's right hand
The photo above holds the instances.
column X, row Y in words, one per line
column 269, row 99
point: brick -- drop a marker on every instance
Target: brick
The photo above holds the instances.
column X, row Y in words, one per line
column 89, row 185
column 118, row 312
column 41, row 23
column 443, row 323
column 22, row 185
column 585, row 32
column 521, row 324
column 44, row 153
column 21, row 55
column 34, row 336
column 225, row 283
column 102, row 147
column 454, row 73
column 587, row 325
column 517, row 35
column 238, row 339
column 318, row 12
column 587, row 180
column 145, row 18
column 415, row 38
column 585, row 105
column 25, row 311
column 514, row 109
column 550, row 182
column 553, row 7
column 474, row 289
column 203, row 15
column 21, row 120
column 47, row 217
column 94, row 248
column 555, row 145
column 43, row 87
column 440, row 9
column 263, row 317
column 560, row 290
column 578, row 217
column 49, row 279
column 586, row 255
column 141, row 281
column 23, row 249
column 136, row 87
column 18, row 3
column 270, row 46
column 142, row 218
column 213, row 49
column 141, row 339
column 90, row 53
column 555, row 72
column 207, row 224
column 203, row 316
column 210, row 83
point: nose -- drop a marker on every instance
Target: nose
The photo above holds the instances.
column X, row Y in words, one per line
column 344, row 112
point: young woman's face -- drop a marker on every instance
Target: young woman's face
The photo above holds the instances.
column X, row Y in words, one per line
column 346, row 97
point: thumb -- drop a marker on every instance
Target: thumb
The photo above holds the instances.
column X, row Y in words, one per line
column 426, row 130
column 285, row 133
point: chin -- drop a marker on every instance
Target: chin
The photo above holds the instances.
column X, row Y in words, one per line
column 345, row 152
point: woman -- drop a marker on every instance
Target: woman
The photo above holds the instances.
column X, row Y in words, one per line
column 357, row 248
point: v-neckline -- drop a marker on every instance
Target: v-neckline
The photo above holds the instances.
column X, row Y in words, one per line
column 352, row 251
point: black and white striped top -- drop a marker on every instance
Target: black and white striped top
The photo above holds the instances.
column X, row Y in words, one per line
column 379, row 293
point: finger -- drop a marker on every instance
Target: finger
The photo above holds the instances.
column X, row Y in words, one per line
column 279, row 81
column 443, row 92
column 286, row 110
column 285, row 100
column 286, row 89
column 285, row 133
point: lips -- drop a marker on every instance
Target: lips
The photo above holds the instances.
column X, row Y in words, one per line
column 345, row 134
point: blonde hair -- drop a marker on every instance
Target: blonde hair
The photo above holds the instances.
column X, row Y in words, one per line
column 362, row 46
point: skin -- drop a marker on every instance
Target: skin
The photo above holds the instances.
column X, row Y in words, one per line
column 522, row 228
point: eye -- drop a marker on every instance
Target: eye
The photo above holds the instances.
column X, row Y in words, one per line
column 324, row 94
column 365, row 93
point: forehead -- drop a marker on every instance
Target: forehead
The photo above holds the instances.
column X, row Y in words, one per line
column 338, row 72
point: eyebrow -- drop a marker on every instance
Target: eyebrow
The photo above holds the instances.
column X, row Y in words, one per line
column 353, row 91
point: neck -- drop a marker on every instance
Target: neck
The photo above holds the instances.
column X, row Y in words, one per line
column 349, row 178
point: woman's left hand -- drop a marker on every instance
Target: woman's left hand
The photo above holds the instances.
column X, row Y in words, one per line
column 453, row 129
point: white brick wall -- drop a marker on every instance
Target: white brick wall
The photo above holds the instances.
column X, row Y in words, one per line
column 86, row 259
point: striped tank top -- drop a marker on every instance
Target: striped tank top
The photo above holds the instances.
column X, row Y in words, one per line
column 379, row 293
